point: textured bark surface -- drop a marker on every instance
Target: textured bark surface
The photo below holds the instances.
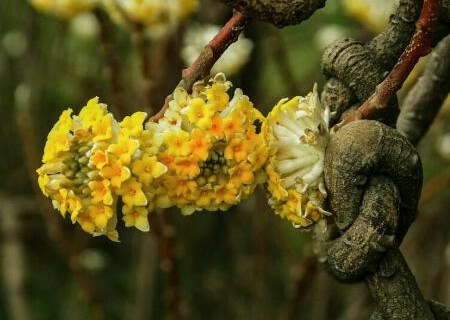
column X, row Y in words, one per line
column 426, row 97
column 381, row 53
column 389, row 44
column 373, row 177
column 366, row 148
column 394, row 289
column 280, row 13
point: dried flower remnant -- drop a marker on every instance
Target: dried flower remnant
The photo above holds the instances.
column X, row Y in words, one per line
column 211, row 147
column 296, row 132
column 91, row 160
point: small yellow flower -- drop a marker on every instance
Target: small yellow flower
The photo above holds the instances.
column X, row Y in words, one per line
column 116, row 173
column 124, row 149
column 58, row 139
column 92, row 113
column 99, row 158
column 186, row 167
column 232, row 124
column 148, row 168
column 217, row 96
column 178, row 143
column 132, row 125
column 100, row 215
column 103, row 129
column 238, row 149
column 101, row 191
column 132, row 194
column 216, row 128
column 136, row 217
column 199, row 113
column 242, row 174
column 200, row 144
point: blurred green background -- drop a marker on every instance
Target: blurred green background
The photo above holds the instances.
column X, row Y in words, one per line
column 243, row 264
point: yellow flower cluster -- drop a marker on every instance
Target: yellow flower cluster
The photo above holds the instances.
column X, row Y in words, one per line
column 156, row 14
column 296, row 132
column 211, row 147
column 90, row 160
column 205, row 153
column 64, row 9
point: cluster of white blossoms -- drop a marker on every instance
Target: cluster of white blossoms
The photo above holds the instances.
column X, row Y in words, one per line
column 296, row 132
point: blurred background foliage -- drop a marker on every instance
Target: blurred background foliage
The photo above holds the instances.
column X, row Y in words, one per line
column 243, row 264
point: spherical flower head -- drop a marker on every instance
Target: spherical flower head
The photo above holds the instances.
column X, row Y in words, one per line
column 296, row 132
column 64, row 9
column 372, row 14
column 233, row 59
column 211, row 147
column 90, row 160
column 159, row 17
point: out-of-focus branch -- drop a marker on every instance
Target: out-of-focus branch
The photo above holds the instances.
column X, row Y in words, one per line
column 424, row 100
column 164, row 232
column 418, row 47
column 111, row 59
column 201, row 67
column 13, row 254
column 303, row 280
column 434, row 186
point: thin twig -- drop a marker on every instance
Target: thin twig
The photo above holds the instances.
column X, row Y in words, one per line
column 201, row 67
column 418, row 47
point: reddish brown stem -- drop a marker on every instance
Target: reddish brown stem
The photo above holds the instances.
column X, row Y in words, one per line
column 417, row 48
column 201, row 67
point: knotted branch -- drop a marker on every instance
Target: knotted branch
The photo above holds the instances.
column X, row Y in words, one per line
column 374, row 176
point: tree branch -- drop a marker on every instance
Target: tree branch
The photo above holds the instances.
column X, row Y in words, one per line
column 280, row 13
column 201, row 67
column 417, row 48
column 383, row 51
column 424, row 100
